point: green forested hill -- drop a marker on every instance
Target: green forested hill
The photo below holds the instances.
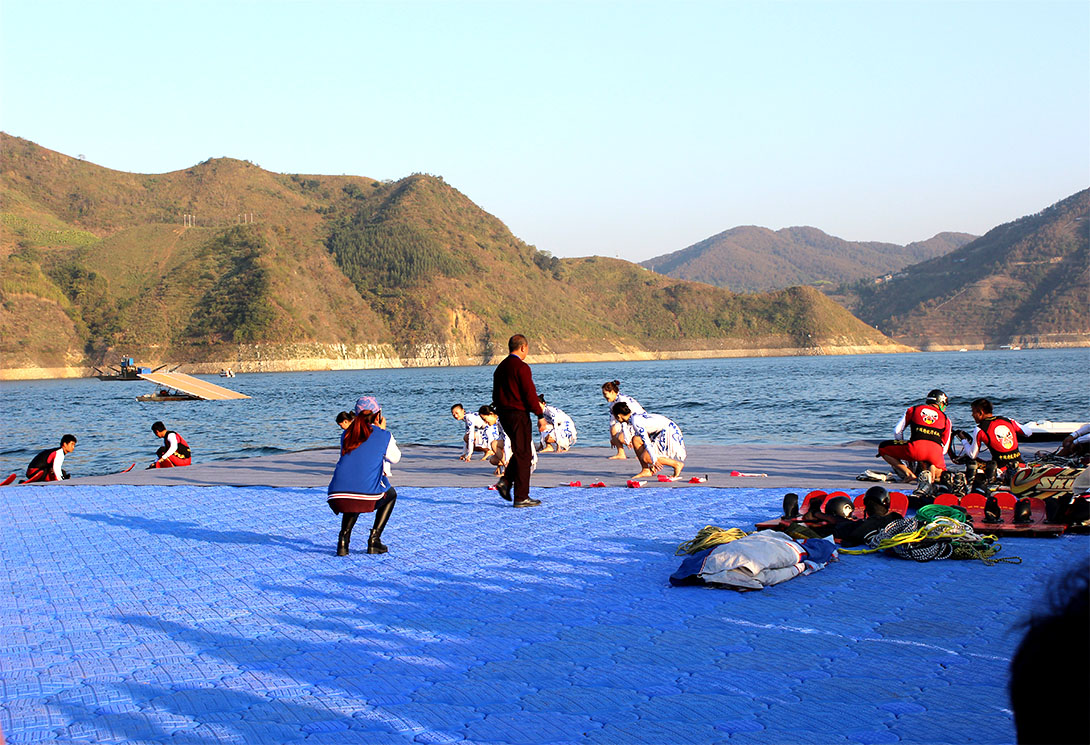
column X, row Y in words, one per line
column 227, row 262
column 1025, row 282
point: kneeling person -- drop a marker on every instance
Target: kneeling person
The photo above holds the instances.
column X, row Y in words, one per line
column 557, row 428
column 175, row 450
column 657, row 440
column 476, row 436
column 46, row 465
column 928, row 441
column 997, row 434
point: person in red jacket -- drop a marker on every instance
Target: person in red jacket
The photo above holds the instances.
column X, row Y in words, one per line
column 175, row 450
column 1000, row 436
column 929, row 439
column 514, row 397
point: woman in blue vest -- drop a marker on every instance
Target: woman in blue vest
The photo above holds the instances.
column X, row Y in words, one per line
column 361, row 480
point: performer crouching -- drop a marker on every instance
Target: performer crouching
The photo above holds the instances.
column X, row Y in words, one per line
column 361, row 480
column 657, row 440
column 175, row 450
column 557, row 428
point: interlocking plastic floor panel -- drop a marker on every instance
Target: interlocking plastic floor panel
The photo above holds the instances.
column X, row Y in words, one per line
column 182, row 615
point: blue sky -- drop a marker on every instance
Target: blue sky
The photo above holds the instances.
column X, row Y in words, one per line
column 624, row 129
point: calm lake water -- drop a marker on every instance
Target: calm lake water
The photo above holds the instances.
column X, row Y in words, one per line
column 797, row 400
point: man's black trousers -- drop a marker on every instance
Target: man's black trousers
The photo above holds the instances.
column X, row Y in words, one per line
column 516, row 423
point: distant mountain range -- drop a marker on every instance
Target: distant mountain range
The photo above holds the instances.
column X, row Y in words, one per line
column 1023, row 283
column 755, row 259
column 225, row 263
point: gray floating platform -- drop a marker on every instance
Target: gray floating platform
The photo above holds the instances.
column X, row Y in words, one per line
column 805, row 467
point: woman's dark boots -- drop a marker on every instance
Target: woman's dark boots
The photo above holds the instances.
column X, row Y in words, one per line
column 348, row 521
column 382, row 515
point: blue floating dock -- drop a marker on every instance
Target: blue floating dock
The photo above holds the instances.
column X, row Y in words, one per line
column 190, row 614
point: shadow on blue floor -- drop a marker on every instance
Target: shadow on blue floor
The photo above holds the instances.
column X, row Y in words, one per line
column 191, row 530
column 185, row 616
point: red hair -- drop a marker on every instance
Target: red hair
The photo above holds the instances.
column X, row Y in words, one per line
column 358, row 431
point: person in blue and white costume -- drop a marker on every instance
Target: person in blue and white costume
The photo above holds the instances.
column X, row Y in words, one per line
column 501, row 444
column 620, row 434
column 477, row 433
column 361, row 479
column 657, row 440
column 557, row 429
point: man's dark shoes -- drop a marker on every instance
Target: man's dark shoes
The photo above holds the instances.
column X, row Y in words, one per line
column 503, row 486
column 527, row 503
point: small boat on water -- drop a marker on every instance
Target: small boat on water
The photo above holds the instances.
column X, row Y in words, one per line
column 181, row 387
column 127, row 370
column 227, row 373
column 168, row 394
column 1046, row 431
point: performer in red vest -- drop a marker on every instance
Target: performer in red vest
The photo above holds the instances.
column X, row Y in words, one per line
column 46, row 465
column 1000, row 436
column 175, row 450
column 929, row 438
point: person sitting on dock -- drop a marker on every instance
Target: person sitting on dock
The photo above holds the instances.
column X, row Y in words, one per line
column 1000, row 436
column 46, row 465
column 1076, row 444
column 657, row 440
column 175, row 450
column 927, row 444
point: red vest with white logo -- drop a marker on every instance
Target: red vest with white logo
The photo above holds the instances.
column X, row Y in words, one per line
column 927, row 423
column 1000, row 437
column 183, row 450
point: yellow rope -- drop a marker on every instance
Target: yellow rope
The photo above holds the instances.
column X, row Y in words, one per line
column 967, row 544
column 709, row 536
column 886, row 543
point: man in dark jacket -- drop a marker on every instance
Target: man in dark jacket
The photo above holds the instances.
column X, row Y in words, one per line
column 515, row 397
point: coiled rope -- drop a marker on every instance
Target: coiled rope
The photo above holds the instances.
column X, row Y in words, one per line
column 709, row 536
column 962, row 540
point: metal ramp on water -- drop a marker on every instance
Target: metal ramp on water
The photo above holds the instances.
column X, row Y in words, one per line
column 193, row 386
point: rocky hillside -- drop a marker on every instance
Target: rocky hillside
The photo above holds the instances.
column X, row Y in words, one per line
column 1024, row 283
column 226, row 263
column 750, row 258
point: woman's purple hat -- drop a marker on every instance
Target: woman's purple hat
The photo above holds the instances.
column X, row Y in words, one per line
column 367, row 403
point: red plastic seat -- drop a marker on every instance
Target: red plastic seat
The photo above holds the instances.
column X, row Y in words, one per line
column 810, row 498
column 950, row 500
column 973, row 501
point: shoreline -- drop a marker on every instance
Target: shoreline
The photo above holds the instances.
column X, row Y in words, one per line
column 330, row 364
column 324, row 364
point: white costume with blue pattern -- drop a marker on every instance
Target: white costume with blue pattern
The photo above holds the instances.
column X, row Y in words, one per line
column 559, row 426
column 661, row 436
column 476, row 433
column 509, row 449
column 626, row 428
